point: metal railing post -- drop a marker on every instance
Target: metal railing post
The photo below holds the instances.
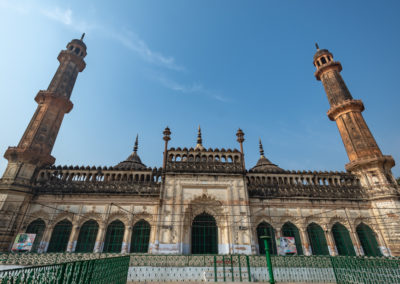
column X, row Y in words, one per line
column 248, row 268
column 215, row 269
column 240, row 269
column 233, row 277
column 268, row 258
column 223, row 266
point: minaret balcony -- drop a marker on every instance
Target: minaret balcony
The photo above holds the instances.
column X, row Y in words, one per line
column 345, row 107
column 46, row 97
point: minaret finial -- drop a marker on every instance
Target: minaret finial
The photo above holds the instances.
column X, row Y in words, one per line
column 83, row 35
column 261, row 149
column 317, row 46
column 135, row 148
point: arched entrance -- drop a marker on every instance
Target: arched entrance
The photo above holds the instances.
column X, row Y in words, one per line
column 290, row 230
column 265, row 229
column 368, row 240
column 204, row 235
column 87, row 236
column 140, row 237
column 60, row 236
column 114, row 237
column 317, row 240
column 36, row 227
column 342, row 239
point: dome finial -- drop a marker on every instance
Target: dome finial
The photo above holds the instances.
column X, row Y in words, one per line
column 261, row 148
column 83, row 35
column 135, row 148
column 317, row 46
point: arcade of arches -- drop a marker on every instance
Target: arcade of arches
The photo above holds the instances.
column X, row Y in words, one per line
column 314, row 240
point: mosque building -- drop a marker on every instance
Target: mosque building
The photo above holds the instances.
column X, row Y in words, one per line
column 202, row 200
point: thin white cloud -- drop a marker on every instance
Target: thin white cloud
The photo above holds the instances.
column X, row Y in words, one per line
column 194, row 88
column 125, row 37
column 62, row 16
column 65, row 17
column 133, row 42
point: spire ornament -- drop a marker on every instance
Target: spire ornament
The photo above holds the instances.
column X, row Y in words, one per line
column 261, row 149
column 317, row 46
column 135, row 148
column 199, row 145
column 83, row 35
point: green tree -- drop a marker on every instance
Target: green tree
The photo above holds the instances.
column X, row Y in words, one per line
column 398, row 180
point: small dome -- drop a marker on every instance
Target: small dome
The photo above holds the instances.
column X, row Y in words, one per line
column 133, row 162
column 265, row 166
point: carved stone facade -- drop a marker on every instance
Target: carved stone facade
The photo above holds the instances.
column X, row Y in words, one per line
column 198, row 181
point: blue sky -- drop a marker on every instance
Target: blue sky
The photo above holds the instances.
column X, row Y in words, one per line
column 220, row 64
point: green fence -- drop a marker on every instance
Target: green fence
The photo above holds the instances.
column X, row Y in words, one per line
column 253, row 268
column 104, row 270
column 369, row 270
column 113, row 268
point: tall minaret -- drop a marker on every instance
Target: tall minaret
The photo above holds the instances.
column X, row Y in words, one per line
column 365, row 157
column 34, row 149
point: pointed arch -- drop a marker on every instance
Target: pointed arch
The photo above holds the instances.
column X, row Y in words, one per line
column 87, row 236
column 317, row 239
column 60, row 236
column 204, row 234
column 290, row 230
column 114, row 236
column 368, row 240
column 36, row 227
column 342, row 239
column 265, row 229
column 140, row 237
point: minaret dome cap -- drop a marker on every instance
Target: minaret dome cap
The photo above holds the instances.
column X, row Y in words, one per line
column 321, row 52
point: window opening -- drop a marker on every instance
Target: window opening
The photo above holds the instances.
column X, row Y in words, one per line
column 368, row 240
column 342, row 239
column 317, row 240
column 87, row 236
column 36, row 227
column 60, row 236
column 290, row 230
column 140, row 237
column 114, row 237
column 265, row 229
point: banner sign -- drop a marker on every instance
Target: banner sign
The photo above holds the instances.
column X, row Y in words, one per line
column 23, row 242
column 286, row 245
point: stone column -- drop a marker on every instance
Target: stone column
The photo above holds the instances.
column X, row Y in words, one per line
column 98, row 247
column 305, row 242
column 278, row 232
column 126, row 242
column 356, row 243
column 73, row 238
column 44, row 243
column 382, row 245
column 331, row 243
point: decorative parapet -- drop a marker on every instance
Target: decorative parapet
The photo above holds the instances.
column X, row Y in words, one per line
column 87, row 180
column 204, row 161
column 306, row 184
